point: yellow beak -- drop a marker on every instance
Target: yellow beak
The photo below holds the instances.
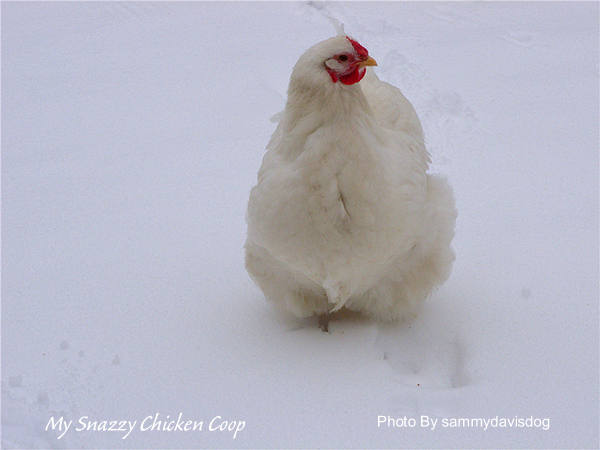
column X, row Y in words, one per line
column 367, row 62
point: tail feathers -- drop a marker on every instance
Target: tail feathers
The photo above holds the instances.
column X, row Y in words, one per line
column 337, row 294
column 339, row 305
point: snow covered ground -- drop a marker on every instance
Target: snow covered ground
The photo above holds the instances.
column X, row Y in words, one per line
column 131, row 135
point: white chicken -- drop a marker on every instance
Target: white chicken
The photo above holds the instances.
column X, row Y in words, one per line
column 344, row 213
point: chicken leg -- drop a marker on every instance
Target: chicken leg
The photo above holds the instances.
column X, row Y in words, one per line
column 324, row 322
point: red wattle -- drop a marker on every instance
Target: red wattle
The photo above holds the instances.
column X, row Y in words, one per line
column 353, row 77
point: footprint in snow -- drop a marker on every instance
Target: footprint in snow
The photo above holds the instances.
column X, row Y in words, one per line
column 521, row 38
column 451, row 14
column 398, row 70
column 525, row 292
column 16, row 381
column 43, row 399
column 428, row 354
column 446, row 121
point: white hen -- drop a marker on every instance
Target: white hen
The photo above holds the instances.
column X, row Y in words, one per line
column 344, row 213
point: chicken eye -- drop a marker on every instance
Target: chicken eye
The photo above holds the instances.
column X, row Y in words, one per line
column 343, row 58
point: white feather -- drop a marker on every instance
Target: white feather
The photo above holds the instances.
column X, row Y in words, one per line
column 344, row 212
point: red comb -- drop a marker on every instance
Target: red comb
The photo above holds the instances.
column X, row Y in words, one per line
column 360, row 50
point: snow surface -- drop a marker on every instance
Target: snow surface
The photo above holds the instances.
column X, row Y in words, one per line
column 131, row 136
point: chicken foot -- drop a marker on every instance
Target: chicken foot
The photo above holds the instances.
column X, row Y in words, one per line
column 324, row 322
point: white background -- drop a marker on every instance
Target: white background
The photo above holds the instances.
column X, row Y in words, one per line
column 131, row 136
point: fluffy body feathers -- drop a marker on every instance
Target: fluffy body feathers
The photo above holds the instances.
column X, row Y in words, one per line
column 344, row 213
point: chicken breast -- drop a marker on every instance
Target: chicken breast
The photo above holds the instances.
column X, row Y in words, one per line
column 344, row 213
